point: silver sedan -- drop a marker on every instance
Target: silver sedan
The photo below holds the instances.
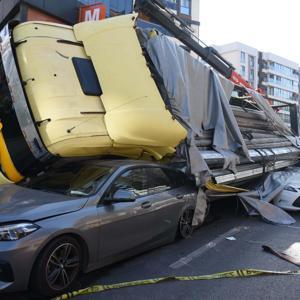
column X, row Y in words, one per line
column 81, row 216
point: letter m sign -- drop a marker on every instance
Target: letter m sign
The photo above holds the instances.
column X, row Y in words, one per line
column 93, row 12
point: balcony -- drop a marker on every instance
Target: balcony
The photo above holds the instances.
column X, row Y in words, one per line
column 276, row 72
column 293, row 88
column 281, row 99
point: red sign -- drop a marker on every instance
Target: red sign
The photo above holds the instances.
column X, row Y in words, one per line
column 93, row 12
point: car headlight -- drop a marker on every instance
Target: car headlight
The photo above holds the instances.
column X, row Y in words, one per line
column 13, row 232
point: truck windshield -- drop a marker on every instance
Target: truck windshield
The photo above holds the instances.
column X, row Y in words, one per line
column 72, row 179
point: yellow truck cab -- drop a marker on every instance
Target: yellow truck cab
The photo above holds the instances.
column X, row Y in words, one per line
column 79, row 91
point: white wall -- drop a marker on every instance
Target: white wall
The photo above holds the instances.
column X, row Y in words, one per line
column 232, row 53
column 196, row 15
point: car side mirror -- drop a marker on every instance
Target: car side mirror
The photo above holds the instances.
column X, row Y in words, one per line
column 123, row 196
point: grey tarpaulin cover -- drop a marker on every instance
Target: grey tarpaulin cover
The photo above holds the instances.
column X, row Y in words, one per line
column 265, row 192
column 199, row 98
column 200, row 209
column 274, row 118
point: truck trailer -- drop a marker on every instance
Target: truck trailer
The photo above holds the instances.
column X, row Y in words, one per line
column 101, row 89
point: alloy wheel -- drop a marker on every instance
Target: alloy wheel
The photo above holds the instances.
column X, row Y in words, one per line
column 63, row 266
column 185, row 224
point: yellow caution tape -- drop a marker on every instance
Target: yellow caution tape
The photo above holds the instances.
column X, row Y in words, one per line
column 222, row 188
column 242, row 273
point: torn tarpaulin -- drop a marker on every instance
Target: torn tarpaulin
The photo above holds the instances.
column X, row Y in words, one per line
column 274, row 118
column 199, row 99
column 268, row 211
column 200, row 209
column 260, row 198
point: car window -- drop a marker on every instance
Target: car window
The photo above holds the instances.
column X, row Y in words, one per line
column 178, row 178
column 157, row 180
column 141, row 181
column 132, row 180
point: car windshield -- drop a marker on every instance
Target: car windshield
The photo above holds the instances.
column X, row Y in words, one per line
column 71, row 179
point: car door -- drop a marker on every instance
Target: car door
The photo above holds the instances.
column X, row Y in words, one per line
column 125, row 226
column 168, row 196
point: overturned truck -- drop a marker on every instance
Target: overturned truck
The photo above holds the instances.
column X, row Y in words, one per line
column 122, row 87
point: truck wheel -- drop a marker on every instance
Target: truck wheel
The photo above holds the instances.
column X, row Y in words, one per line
column 185, row 228
column 58, row 267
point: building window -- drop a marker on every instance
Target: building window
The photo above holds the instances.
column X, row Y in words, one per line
column 171, row 4
column 243, row 57
column 285, row 118
column 243, row 71
column 185, row 7
column 278, row 80
column 182, row 7
column 251, row 61
column 284, row 70
column 113, row 7
column 251, row 75
column 280, row 93
column 88, row 2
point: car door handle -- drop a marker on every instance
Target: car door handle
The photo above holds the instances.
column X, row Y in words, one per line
column 146, row 204
column 179, row 196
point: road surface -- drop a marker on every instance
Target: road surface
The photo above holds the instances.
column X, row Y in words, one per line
column 207, row 251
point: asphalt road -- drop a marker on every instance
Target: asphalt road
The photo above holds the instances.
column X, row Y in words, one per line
column 207, row 251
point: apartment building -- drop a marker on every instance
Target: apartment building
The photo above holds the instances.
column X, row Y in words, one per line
column 188, row 10
column 244, row 58
column 278, row 77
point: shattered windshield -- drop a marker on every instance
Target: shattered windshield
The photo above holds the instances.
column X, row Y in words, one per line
column 72, row 179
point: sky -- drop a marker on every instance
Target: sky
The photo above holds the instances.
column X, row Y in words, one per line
column 268, row 25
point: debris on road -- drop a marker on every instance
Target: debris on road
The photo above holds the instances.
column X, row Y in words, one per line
column 231, row 238
column 259, row 198
column 288, row 198
column 292, row 254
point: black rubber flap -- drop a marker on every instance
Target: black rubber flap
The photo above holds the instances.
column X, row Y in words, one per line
column 87, row 76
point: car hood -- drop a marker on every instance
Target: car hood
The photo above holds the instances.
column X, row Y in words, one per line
column 22, row 204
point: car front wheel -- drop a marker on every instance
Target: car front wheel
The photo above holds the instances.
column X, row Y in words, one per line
column 185, row 228
column 58, row 267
